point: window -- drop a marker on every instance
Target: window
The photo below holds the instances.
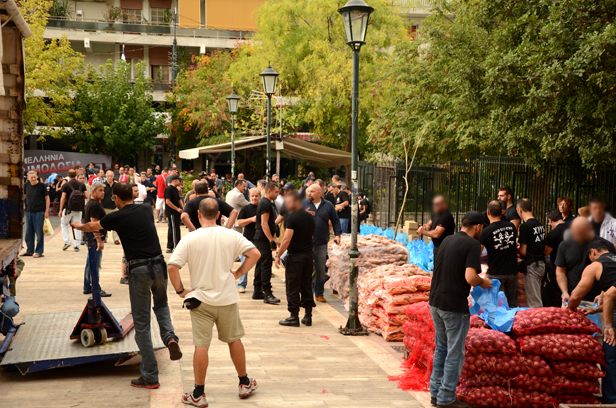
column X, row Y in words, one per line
column 161, row 73
column 160, row 16
column 131, row 16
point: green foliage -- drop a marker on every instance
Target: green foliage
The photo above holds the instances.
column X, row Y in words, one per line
column 188, row 179
column 51, row 70
column 534, row 79
column 61, row 8
column 305, row 42
column 114, row 116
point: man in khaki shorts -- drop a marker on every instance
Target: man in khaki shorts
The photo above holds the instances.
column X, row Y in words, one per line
column 210, row 252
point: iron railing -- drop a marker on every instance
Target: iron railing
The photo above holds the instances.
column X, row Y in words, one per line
column 470, row 185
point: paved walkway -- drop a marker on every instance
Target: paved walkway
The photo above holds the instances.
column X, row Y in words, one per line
column 295, row 367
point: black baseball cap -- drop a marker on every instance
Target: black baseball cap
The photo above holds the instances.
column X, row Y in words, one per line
column 310, row 178
column 289, row 186
column 473, row 218
column 176, row 177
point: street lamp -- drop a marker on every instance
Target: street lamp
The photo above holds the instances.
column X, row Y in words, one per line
column 234, row 102
column 269, row 77
column 355, row 15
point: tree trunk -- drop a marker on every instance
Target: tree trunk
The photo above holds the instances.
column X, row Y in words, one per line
column 347, row 148
column 213, row 162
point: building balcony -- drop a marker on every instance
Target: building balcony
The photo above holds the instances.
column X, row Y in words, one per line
column 152, row 34
column 413, row 8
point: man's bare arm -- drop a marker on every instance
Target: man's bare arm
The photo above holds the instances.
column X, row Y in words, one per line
column 231, row 219
column 563, row 282
column 87, row 227
column 250, row 259
column 265, row 227
column 246, row 221
column 186, row 220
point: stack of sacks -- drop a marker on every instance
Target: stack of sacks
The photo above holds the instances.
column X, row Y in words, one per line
column 385, row 291
column 553, row 361
column 374, row 251
column 419, row 342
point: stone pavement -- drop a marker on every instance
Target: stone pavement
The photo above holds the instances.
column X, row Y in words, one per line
column 295, row 367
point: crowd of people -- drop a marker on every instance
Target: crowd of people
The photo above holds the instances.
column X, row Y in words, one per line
column 573, row 265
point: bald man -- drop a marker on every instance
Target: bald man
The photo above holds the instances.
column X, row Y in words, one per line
column 441, row 224
column 573, row 257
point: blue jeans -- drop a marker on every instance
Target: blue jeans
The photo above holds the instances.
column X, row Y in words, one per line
column 144, row 283
column 243, row 282
column 34, row 226
column 320, row 257
column 87, row 276
column 344, row 225
column 609, row 381
column 451, row 329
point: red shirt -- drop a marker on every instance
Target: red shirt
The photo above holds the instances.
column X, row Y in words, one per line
column 123, row 177
column 92, row 177
column 160, row 186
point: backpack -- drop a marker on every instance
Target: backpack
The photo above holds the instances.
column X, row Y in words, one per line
column 76, row 200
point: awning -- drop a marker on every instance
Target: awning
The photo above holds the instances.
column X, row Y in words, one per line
column 316, row 154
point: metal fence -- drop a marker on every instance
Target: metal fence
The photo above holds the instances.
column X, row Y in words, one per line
column 470, row 185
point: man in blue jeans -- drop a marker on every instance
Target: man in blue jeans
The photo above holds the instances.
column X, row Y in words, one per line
column 147, row 277
column 37, row 210
column 456, row 269
column 94, row 211
column 324, row 213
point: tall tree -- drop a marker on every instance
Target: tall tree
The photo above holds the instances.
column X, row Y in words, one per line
column 305, row 42
column 52, row 71
column 533, row 79
column 114, row 115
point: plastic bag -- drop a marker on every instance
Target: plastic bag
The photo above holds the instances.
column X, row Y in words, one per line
column 490, row 396
column 47, row 228
column 577, row 369
column 523, row 398
column 552, row 320
column 563, row 347
column 486, row 300
column 489, row 341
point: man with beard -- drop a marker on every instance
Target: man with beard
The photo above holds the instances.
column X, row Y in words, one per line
column 441, row 225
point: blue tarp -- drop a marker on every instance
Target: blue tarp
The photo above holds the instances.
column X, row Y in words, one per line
column 491, row 306
column 420, row 253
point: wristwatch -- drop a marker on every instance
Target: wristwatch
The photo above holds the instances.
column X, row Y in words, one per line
column 180, row 292
column 273, row 244
column 608, row 327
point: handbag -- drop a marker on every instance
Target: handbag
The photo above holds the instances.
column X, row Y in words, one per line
column 47, row 228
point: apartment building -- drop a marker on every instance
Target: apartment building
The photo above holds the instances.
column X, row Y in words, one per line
column 143, row 30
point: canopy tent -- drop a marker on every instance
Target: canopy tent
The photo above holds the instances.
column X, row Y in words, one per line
column 317, row 155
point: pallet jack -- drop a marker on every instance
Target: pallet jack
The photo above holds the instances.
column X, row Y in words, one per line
column 96, row 323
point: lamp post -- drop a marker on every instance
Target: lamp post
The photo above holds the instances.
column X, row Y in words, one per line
column 269, row 77
column 355, row 15
column 174, row 74
column 233, row 101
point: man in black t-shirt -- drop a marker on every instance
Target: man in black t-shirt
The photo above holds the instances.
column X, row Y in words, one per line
column 499, row 239
column 441, row 225
column 147, row 273
column 173, row 209
column 71, row 216
column 37, row 210
column 190, row 216
column 265, row 241
column 551, row 296
column 108, row 203
column 506, row 194
column 94, row 212
column 297, row 240
column 532, row 249
column 456, row 270
column 247, row 219
column 572, row 258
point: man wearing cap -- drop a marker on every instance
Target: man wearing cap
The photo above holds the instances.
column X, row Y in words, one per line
column 456, row 270
column 173, row 210
column 307, row 183
column 284, row 191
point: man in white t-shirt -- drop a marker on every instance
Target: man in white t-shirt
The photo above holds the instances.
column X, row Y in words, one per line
column 210, row 252
column 142, row 192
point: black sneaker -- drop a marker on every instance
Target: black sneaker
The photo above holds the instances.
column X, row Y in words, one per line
column 433, row 401
column 271, row 299
column 124, row 281
column 258, row 295
column 456, row 404
column 174, row 350
column 169, row 250
column 141, row 383
column 105, row 294
column 292, row 321
column 87, row 292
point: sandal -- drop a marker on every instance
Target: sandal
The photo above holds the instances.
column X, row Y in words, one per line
column 38, row 256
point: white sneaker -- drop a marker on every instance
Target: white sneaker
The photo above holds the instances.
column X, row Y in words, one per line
column 246, row 390
column 157, row 220
column 241, row 290
column 189, row 399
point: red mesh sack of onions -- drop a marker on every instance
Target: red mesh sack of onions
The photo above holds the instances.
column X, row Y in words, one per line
column 490, row 396
column 552, row 320
column 489, row 341
column 576, row 399
column 577, row 369
column 523, row 398
column 534, row 383
column 478, row 322
column 574, row 385
column 505, row 364
column 563, row 347
column 483, row 379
